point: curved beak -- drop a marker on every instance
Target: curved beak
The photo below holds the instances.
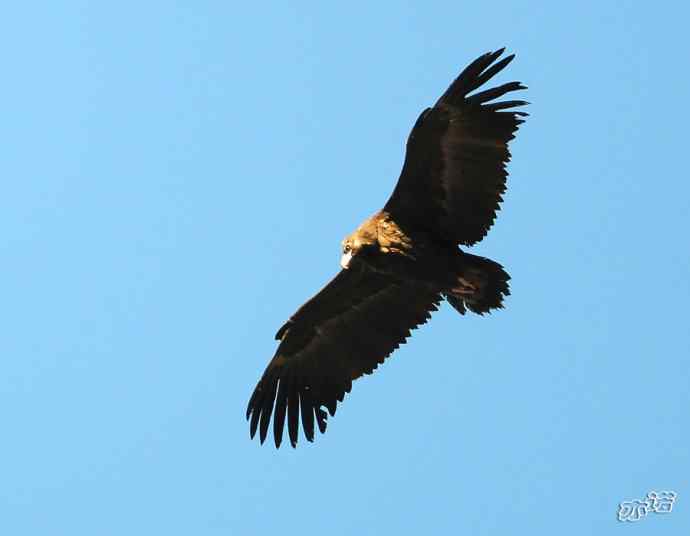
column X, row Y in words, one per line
column 345, row 260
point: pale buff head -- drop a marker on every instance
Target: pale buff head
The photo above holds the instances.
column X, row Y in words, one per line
column 363, row 239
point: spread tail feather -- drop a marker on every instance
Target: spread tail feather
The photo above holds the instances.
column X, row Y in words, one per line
column 480, row 285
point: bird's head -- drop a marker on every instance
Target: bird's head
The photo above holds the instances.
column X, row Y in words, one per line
column 357, row 246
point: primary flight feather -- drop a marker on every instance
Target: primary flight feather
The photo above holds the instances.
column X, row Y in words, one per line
column 402, row 262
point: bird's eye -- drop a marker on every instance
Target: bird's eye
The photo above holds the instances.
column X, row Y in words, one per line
column 347, row 248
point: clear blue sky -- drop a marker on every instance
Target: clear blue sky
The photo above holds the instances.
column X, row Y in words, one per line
column 177, row 178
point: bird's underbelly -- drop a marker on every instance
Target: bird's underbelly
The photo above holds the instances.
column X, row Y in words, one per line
column 434, row 267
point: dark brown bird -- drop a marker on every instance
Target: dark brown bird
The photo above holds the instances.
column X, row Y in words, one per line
column 403, row 261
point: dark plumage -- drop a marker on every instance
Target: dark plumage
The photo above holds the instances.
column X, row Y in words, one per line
column 402, row 262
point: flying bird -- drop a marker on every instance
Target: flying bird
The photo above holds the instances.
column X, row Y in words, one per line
column 403, row 261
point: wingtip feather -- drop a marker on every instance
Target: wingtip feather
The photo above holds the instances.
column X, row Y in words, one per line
column 476, row 74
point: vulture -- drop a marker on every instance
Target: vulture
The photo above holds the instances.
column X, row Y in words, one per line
column 401, row 263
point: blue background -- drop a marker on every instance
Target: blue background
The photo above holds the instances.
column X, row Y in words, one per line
column 177, row 178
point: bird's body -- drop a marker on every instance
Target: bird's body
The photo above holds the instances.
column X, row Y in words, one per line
column 402, row 262
column 382, row 246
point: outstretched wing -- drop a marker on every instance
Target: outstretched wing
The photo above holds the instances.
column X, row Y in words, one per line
column 343, row 332
column 455, row 166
